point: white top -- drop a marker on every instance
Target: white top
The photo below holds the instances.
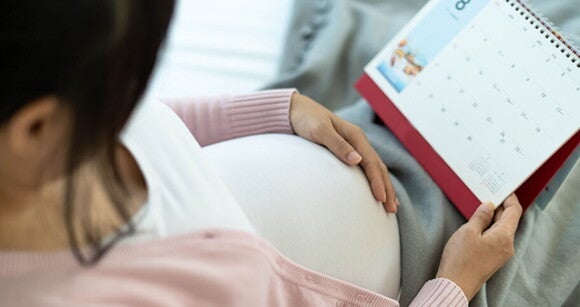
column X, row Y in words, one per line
column 184, row 193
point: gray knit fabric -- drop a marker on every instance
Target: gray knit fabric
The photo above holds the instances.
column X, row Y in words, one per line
column 328, row 45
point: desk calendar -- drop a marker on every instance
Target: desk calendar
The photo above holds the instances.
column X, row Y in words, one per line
column 485, row 94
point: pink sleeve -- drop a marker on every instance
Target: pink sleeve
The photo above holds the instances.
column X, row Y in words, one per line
column 440, row 292
column 213, row 120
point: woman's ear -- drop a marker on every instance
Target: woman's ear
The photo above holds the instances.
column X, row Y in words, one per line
column 35, row 137
column 33, row 133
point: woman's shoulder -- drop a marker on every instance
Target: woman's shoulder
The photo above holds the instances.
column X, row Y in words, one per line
column 184, row 192
column 153, row 120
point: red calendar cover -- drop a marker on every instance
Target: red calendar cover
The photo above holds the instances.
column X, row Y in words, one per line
column 448, row 65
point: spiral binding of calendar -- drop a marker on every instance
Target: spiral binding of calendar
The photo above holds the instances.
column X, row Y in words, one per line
column 548, row 29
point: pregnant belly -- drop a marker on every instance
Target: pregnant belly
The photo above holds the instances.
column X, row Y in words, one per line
column 316, row 210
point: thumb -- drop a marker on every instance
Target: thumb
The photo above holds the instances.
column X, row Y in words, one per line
column 482, row 217
column 341, row 148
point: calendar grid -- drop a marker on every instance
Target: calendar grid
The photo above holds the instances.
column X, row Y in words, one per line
column 494, row 100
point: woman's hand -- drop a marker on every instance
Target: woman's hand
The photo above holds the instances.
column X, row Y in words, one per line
column 476, row 250
column 313, row 122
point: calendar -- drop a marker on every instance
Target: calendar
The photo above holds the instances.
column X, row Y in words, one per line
column 484, row 93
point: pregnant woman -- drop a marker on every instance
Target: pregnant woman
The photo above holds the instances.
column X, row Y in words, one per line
column 107, row 201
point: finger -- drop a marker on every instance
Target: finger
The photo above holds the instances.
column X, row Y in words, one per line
column 482, row 217
column 375, row 178
column 374, row 168
column 336, row 143
column 511, row 215
column 392, row 202
column 339, row 146
column 498, row 213
column 378, row 176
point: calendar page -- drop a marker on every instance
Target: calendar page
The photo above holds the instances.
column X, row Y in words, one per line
column 489, row 85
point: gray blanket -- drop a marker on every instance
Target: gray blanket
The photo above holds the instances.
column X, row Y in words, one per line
column 328, row 44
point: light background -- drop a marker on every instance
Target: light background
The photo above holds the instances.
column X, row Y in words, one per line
column 227, row 46
column 221, row 46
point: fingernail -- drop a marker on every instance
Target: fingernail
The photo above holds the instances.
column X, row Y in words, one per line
column 353, row 157
column 397, row 201
column 387, row 209
column 395, row 205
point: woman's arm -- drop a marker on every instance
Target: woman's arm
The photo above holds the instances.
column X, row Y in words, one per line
column 217, row 119
column 286, row 111
column 440, row 292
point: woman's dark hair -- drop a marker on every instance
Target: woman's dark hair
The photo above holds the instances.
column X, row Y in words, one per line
column 96, row 56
